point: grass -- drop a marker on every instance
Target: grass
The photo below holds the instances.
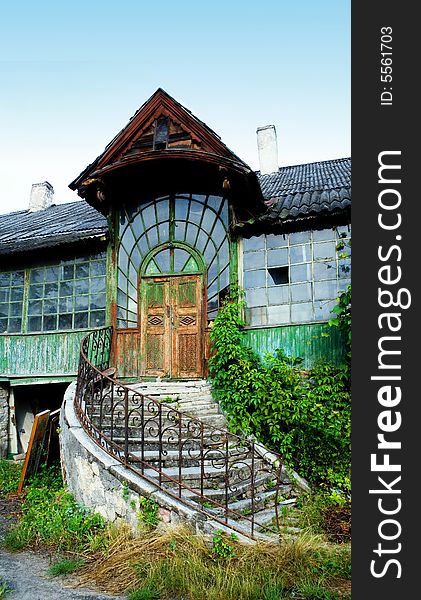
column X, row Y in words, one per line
column 10, row 473
column 177, row 563
column 66, row 566
column 50, row 516
column 166, row 563
column 4, row 588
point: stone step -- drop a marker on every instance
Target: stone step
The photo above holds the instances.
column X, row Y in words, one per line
column 192, row 457
column 171, row 432
column 152, row 442
column 191, row 474
column 217, row 493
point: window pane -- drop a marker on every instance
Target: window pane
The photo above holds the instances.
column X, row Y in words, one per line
column 276, row 241
column 15, row 325
column 218, row 233
column 256, row 316
column 81, row 320
column 324, row 250
column 192, row 232
column 66, row 288
column 323, row 234
column 17, row 278
column 300, row 272
column 195, row 214
column 163, row 210
column 301, row 292
column 81, row 302
column 97, row 318
column 302, row 312
column 148, row 214
column 66, row 304
column 36, row 291
column 278, row 295
column 34, row 324
column 68, row 271
column 3, row 325
column 82, row 286
column 256, row 297
column 298, row 254
column 162, row 259
column 37, row 276
column 50, row 306
column 52, row 273
column 4, row 310
column 254, row 260
column 180, row 259
column 325, row 290
column 97, row 301
column 325, row 270
column 278, row 314
column 49, row 323
column 16, row 294
column 299, row 237
column 181, row 206
column 65, row 321
column 15, row 309
column 254, row 243
column 98, row 268
column 82, row 271
column 191, row 266
column 277, row 257
column 51, row 290
column 255, row 278
column 4, row 294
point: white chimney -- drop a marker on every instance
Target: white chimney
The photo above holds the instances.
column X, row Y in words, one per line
column 41, row 196
column 267, row 146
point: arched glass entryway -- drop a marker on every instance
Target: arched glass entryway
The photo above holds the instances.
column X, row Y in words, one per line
column 197, row 221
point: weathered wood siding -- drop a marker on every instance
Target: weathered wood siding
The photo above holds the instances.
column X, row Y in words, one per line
column 126, row 353
column 305, row 341
column 40, row 354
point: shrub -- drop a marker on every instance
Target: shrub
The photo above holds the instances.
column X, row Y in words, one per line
column 303, row 416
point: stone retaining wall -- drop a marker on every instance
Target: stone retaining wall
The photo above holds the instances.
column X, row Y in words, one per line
column 104, row 485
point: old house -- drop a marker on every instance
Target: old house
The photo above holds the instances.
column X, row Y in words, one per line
column 169, row 219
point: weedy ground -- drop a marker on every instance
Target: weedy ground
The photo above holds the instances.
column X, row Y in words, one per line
column 163, row 564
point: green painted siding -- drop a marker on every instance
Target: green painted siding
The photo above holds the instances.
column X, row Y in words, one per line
column 305, row 341
column 40, row 355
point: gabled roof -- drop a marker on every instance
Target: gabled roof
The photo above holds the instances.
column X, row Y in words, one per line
column 59, row 224
column 300, row 191
column 161, row 128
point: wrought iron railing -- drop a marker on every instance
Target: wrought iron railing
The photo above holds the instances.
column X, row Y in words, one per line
column 220, row 474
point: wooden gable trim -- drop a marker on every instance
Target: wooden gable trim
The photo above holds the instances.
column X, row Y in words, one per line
column 160, row 104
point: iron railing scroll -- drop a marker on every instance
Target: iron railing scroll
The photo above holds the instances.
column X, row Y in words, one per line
column 210, row 469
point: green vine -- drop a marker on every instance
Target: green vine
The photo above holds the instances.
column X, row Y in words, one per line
column 305, row 416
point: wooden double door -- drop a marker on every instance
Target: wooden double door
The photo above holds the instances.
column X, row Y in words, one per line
column 172, row 326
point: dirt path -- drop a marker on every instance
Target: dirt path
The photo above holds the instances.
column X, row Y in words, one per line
column 25, row 573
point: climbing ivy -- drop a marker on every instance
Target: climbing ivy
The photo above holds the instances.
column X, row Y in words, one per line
column 305, row 416
column 342, row 320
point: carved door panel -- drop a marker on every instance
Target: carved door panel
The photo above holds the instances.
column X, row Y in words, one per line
column 155, row 327
column 172, row 315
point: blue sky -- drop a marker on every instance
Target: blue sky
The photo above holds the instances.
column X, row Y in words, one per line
column 73, row 73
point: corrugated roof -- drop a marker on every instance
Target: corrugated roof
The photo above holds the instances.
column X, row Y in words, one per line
column 59, row 224
column 306, row 190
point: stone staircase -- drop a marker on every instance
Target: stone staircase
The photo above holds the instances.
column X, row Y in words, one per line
column 178, row 439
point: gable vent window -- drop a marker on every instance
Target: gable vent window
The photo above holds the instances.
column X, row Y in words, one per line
column 161, row 134
column 279, row 275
